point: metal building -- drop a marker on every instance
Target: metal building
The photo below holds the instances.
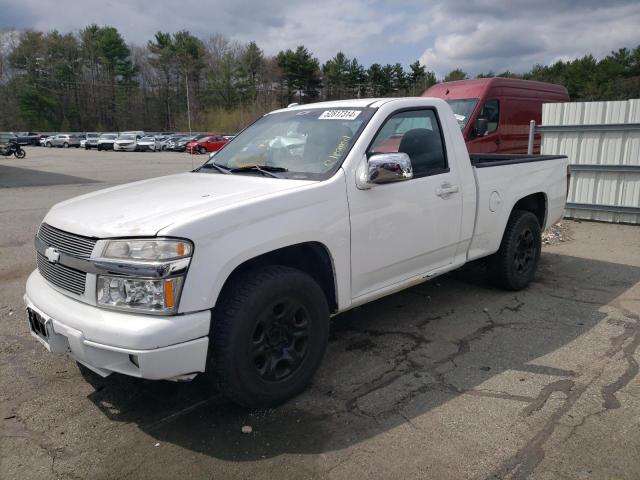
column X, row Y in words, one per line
column 602, row 141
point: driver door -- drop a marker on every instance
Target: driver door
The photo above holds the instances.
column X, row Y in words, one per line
column 405, row 229
column 491, row 141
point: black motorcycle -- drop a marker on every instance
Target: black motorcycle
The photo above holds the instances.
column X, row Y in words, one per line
column 12, row 148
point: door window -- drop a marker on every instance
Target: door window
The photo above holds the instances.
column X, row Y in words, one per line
column 416, row 133
column 491, row 111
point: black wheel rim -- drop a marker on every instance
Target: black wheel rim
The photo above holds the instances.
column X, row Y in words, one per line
column 525, row 251
column 279, row 341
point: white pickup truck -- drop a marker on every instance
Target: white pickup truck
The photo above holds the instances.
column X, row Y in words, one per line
column 235, row 268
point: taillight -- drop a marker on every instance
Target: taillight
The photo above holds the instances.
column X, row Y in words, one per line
column 568, row 180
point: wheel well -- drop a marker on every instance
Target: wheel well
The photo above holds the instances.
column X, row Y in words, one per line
column 535, row 203
column 311, row 257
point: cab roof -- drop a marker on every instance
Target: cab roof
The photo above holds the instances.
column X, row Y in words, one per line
column 354, row 103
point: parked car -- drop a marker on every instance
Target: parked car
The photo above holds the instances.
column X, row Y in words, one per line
column 160, row 139
column 126, row 142
column 44, row 139
column 147, row 143
column 64, row 140
column 91, row 140
column 106, row 141
column 494, row 113
column 206, row 144
column 170, row 143
column 27, row 138
column 236, row 268
column 181, row 144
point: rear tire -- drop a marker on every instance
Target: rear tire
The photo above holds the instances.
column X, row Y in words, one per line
column 65, row 145
column 269, row 332
column 514, row 265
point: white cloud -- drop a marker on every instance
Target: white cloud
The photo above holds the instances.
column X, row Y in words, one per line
column 531, row 35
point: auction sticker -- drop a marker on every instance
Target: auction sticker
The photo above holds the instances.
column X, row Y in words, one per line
column 339, row 115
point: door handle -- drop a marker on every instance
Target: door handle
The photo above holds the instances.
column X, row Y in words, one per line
column 446, row 190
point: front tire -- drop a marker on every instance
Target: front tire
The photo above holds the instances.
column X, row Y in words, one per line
column 65, row 145
column 514, row 265
column 269, row 332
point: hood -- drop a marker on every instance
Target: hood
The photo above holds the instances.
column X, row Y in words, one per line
column 148, row 206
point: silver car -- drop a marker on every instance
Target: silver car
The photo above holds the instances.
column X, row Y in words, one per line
column 64, row 140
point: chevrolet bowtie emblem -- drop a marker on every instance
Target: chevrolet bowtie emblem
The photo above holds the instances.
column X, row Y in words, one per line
column 52, row 254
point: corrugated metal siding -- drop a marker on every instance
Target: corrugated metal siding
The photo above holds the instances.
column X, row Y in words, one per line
column 600, row 189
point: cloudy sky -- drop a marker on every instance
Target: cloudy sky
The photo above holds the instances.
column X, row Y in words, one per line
column 476, row 35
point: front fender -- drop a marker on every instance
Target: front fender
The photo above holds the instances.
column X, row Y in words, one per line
column 228, row 238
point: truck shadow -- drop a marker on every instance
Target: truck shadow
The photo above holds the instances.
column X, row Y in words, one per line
column 390, row 362
column 14, row 177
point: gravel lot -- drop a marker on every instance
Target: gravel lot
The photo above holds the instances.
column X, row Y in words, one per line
column 451, row 379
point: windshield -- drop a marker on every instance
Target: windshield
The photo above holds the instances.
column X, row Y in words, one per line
column 148, row 139
column 126, row 137
column 462, row 109
column 92, row 135
column 109, row 136
column 303, row 144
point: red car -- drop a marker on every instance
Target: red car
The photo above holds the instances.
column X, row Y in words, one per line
column 209, row 143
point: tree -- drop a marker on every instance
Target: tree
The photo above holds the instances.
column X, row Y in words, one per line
column 356, row 79
column 375, row 79
column 108, row 75
column 180, row 58
column 336, row 75
column 399, row 79
column 251, row 66
column 47, row 90
column 300, row 74
column 456, row 74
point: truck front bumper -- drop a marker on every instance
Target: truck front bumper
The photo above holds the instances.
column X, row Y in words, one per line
column 106, row 341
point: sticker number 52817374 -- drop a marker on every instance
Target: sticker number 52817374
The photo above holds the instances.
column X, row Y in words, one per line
column 339, row 115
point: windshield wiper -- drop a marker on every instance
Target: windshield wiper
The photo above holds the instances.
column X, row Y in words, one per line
column 265, row 169
column 217, row 167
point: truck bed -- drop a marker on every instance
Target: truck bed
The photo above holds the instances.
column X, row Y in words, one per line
column 482, row 160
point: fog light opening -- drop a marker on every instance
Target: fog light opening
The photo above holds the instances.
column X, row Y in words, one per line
column 134, row 359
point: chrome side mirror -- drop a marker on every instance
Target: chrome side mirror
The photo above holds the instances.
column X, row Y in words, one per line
column 383, row 168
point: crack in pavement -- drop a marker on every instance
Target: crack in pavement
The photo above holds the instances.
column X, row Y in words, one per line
column 630, row 338
column 524, row 462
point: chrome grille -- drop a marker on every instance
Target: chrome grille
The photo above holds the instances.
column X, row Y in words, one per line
column 61, row 276
column 66, row 242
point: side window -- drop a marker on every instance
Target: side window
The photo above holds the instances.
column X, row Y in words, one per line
column 416, row 133
column 491, row 111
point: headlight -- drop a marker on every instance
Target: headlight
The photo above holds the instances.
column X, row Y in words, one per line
column 142, row 274
column 140, row 294
column 147, row 249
